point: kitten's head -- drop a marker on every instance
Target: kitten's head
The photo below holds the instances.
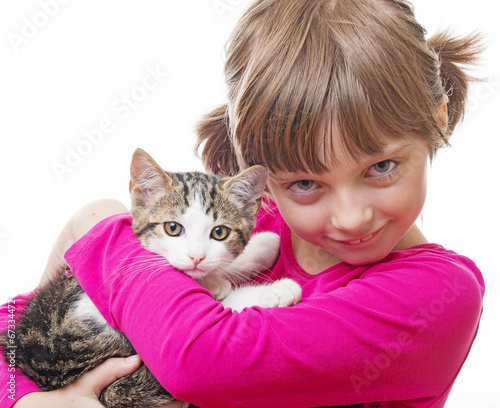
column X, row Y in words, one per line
column 198, row 222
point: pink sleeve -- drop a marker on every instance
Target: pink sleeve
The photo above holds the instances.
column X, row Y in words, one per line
column 14, row 384
column 397, row 332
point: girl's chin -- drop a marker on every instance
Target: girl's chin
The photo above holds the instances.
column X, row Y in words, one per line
column 365, row 257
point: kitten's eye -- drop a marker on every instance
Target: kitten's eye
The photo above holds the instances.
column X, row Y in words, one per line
column 174, row 229
column 220, row 233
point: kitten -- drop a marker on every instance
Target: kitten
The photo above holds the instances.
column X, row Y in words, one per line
column 201, row 224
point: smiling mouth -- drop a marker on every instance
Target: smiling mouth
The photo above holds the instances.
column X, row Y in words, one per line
column 358, row 241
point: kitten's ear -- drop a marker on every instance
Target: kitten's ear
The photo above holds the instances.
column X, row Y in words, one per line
column 249, row 186
column 147, row 179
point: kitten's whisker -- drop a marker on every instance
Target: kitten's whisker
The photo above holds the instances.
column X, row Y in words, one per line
column 238, row 275
column 137, row 266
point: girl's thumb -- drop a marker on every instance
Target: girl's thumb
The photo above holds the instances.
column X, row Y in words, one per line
column 108, row 372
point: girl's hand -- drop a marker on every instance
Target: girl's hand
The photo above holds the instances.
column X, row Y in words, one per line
column 78, row 225
column 84, row 393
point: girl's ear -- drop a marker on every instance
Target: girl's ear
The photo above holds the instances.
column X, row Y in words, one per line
column 442, row 112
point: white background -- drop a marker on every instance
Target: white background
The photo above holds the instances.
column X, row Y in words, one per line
column 67, row 69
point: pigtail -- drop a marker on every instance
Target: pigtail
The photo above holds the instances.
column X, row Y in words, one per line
column 217, row 151
column 456, row 55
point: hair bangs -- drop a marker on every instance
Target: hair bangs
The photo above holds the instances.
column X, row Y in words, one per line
column 275, row 122
column 287, row 120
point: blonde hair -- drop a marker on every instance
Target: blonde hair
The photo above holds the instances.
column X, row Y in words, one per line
column 296, row 69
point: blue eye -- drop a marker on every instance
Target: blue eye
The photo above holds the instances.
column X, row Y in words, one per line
column 303, row 189
column 383, row 171
column 305, row 185
column 384, row 167
column 302, row 186
column 174, row 229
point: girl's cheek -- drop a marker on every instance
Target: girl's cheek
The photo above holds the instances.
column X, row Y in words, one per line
column 410, row 201
column 313, row 225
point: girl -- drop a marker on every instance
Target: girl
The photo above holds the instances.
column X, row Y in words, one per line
column 345, row 102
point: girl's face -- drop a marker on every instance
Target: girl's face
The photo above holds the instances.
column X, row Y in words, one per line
column 359, row 211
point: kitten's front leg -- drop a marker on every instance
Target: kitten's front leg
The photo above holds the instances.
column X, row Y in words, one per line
column 282, row 293
column 260, row 254
column 218, row 286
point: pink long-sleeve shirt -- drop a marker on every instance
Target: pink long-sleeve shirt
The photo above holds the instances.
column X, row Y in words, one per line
column 390, row 334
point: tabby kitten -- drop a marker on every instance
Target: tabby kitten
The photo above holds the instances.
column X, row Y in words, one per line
column 201, row 224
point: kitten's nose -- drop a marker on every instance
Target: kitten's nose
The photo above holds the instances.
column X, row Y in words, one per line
column 196, row 260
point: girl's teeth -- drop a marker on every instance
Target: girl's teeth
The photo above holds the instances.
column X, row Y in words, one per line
column 356, row 242
column 367, row 238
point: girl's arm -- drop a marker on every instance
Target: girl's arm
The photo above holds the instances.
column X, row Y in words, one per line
column 400, row 332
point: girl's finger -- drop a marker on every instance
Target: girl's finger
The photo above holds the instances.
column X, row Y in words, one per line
column 108, row 372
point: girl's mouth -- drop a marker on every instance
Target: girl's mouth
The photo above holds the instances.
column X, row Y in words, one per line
column 359, row 241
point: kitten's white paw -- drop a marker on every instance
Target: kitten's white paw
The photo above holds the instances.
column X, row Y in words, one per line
column 225, row 289
column 218, row 286
column 259, row 254
column 267, row 244
column 282, row 293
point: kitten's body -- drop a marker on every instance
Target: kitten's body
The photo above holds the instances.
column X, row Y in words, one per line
column 56, row 345
column 202, row 225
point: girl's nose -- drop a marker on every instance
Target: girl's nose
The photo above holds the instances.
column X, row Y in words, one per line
column 350, row 212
